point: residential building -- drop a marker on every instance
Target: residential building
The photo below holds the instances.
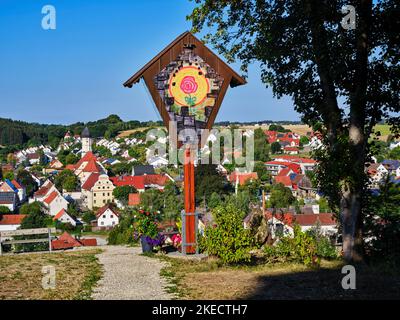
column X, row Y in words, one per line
column 63, row 217
column 142, row 170
column 107, row 217
column 9, row 200
column 97, row 191
column 11, row 222
column 54, row 203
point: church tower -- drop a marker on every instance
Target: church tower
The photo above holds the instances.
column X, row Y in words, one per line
column 86, row 141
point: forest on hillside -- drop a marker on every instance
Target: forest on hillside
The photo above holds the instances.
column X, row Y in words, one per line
column 20, row 133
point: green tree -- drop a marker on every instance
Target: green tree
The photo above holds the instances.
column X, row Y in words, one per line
column 281, row 197
column 394, row 154
column 25, row 178
column 29, row 208
column 88, row 216
column 261, row 146
column 122, row 193
column 304, row 140
column 262, row 172
column 214, row 201
column 207, row 181
column 276, row 147
column 4, row 210
column 305, row 53
column 228, row 240
column 66, row 180
column 71, row 159
column 9, row 175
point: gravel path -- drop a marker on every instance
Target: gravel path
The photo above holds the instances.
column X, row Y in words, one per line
column 130, row 276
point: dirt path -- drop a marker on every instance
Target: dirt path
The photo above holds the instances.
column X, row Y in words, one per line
column 130, row 276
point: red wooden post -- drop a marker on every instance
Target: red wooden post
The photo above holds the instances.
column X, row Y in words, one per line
column 190, row 206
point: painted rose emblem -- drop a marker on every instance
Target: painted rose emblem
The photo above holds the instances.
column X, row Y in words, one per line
column 188, row 85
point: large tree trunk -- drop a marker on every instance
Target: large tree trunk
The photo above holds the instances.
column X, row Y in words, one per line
column 353, row 193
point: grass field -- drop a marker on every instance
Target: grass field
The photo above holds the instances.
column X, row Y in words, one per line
column 208, row 280
column 127, row 133
column 76, row 273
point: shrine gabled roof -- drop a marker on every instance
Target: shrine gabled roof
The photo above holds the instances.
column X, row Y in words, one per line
column 170, row 53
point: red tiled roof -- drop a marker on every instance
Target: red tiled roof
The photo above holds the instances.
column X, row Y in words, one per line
column 86, row 158
column 88, row 242
column 284, row 172
column 325, row 219
column 16, row 184
column 90, row 181
column 51, row 197
column 44, row 189
column 70, row 167
column 287, row 148
column 59, row 215
column 295, row 158
column 134, row 181
column 92, row 166
column 66, row 241
column 156, row 179
column 11, row 219
column 66, row 237
column 104, row 209
column 242, row 177
column 285, row 180
column 134, row 199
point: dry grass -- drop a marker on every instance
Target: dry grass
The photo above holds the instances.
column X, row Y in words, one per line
column 127, row 133
column 208, row 280
column 76, row 273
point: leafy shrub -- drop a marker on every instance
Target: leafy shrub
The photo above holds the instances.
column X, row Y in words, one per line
column 299, row 248
column 228, row 240
column 325, row 248
column 123, row 232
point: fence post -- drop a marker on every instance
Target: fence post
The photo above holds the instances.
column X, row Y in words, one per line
column 49, row 231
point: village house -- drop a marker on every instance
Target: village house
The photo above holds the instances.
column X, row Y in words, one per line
column 240, row 178
column 284, row 222
column 44, row 191
column 63, row 217
column 134, row 199
column 11, row 222
column 9, row 200
column 290, row 150
column 107, row 217
column 54, row 203
column 97, row 191
column 143, row 182
column 21, row 190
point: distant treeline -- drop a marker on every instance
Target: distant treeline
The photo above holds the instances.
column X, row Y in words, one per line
column 252, row 123
column 21, row 133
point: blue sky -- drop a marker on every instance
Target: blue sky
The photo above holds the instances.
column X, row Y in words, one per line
column 75, row 73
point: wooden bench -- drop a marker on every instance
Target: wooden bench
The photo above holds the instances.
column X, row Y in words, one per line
column 5, row 235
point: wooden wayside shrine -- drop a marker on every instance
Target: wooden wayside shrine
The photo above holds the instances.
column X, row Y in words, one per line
column 187, row 83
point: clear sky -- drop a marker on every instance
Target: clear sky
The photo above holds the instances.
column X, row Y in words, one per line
column 75, row 73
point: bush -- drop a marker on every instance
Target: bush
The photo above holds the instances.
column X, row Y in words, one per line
column 299, row 248
column 123, row 232
column 228, row 240
column 325, row 248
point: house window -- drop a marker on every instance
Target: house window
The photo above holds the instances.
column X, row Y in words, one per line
column 104, row 216
column 104, row 201
column 104, row 194
column 94, row 201
column 94, row 194
column 102, row 223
